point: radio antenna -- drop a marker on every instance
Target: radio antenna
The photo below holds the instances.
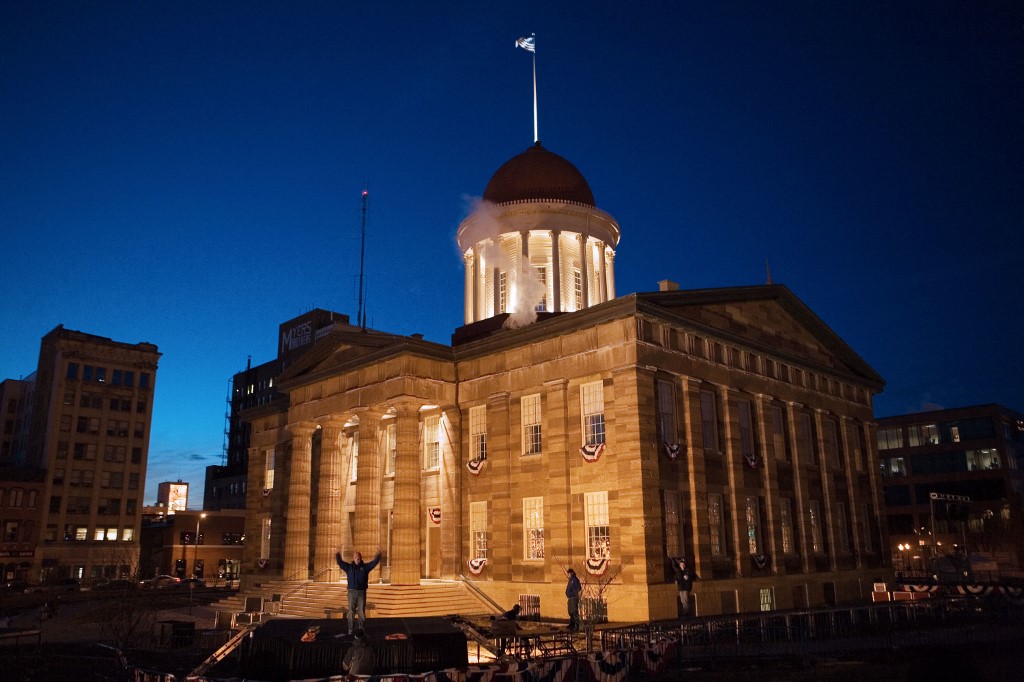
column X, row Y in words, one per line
column 361, row 313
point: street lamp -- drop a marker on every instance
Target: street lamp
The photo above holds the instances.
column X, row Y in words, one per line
column 196, row 541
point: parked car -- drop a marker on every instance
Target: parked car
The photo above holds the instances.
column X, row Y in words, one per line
column 160, row 582
column 62, row 585
column 116, row 585
column 15, row 586
column 189, row 583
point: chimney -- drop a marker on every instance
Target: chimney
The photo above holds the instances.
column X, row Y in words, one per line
column 668, row 285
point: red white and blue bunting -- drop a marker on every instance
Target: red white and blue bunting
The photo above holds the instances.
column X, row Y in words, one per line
column 266, row 492
column 760, row 561
column 476, row 566
column 434, row 514
column 596, row 566
column 475, row 465
column 592, row 453
column 671, row 450
column 262, row 563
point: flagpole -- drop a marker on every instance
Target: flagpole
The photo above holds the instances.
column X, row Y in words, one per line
column 536, row 137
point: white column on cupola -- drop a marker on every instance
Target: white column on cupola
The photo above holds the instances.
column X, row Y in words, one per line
column 601, row 273
column 584, row 270
column 556, row 267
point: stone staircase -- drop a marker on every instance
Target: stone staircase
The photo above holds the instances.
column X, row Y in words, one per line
column 300, row 599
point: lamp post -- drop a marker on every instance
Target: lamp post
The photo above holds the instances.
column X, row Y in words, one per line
column 195, row 561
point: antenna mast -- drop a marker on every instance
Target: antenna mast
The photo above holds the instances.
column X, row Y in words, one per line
column 361, row 314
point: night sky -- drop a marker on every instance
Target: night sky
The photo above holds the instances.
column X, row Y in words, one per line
column 189, row 173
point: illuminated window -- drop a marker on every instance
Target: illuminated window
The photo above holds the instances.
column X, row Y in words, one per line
column 533, row 527
column 753, row 517
column 542, row 276
column 599, row 545
column 889, row 438
column 530, row 408
column 478, row 530
column 111, row 534
column 709, row 420
column 577, row 286
column 814, row 512
column 716, row 524
column 502, row 292
column 666, row 405
column 786, row 525
column 592, row 412
column 767, row 598
column 478, row 432
column 431, row 442
column 127, row 534
column 268, row 469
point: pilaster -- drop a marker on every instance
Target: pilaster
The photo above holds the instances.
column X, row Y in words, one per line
column 296, row 547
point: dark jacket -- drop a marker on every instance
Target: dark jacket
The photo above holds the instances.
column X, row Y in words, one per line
column 573, row 587
column 358, row 575
column 684, row 577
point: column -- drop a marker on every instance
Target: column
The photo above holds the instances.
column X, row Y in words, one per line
column 830, row 527
column 611, row 274
column 408, row 519
column 559, row 456
column 452, row 517
column 800, row 487
column 696, row 471
column 477, row 310
column 736, row 494
column 296, row 541
column 368, row 480
column 469, row 305
column 769, row 465
column 524, row 242
column 601, row 273
column 556, row 267
column 584, row 269
column 328, row 524
column 849, row 466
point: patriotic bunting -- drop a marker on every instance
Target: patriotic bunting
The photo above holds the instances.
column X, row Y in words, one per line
column 592, row 453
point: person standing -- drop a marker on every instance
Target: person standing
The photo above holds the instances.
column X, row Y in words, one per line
column 358, row 575
column 572, row 598
column 684, row 583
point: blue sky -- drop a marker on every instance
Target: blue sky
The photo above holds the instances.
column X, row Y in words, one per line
column 189, row 173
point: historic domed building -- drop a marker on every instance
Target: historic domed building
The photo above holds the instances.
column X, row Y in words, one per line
column 567, row 427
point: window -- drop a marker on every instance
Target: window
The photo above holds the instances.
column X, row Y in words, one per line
column 431, row 442
column 58, row 477
column 577, row 287
column 87, row 373
column 805, row 439
column 72, row 370
column 268, row 469
column 599, row 544
column 129, row 379
column 136, row 455
column 673, row 524
column 116, row 377
column 778, row 433
column 666, row 405
column 353, row 471
column 843, row 541
column 502, row 292
column 143, row 380
column 478, row 432
column 709, row 420
column 814, row 512
column 530, row 408
column 133, row 481
column 746, row 429
column 542, row 277
column 127, row 534
column 390, row 447
column 893, row 467
column 923, row 434
column 11, row 531
column 15, row 498
column 140, row 429
column 65, row 423
column 855, row 447
column 533, row 527
column 478, row 530
column 101, row 375
column 69, row 396
column 592, row 401
column 265, row 538
column 890, row 437
column 832, row 444
column 753, row 526
column 716, row 524
column 786, row 525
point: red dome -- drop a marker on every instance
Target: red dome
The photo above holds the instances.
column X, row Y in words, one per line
column 538, row 174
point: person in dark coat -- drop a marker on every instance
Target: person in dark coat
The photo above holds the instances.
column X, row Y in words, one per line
column 358, row 575
column 684, row 583
column 360, row 659
column 573, row 588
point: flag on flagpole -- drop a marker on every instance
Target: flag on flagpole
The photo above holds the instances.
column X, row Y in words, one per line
column 528, row 44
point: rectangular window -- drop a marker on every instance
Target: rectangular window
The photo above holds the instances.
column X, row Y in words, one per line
column 854, row 447
column 431, row 442
column 746, row 424
column 478, row 530
column 502, row 292
column 786, row 525
column 753, row 518
column 890, row 438
column 778, row 433
column 530, row 408
column 716, row 524
column 805, row 439
column 478, row 432
column 673, row 524
column 599, row 543
column 268, row 469
column 843, row 541
column 577, row 288
column 390, row 448
column 127, row 534
column 87, row 373
column 832, row 444
column 65, row 423
column 542, row 277
column 69, row 396
column 666, row 405
column 265, row 539
column 592, row 408
column 129, row 379
column 144, row 380
column 814, row 513
column 709, row 420
column 533, row 527
column 101, row 375
column 72, row 370
column 140, row 429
